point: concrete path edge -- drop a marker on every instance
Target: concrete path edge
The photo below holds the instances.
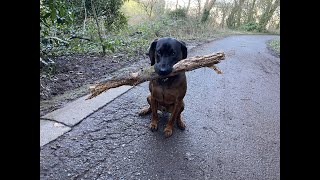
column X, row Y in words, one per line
column 60, row 121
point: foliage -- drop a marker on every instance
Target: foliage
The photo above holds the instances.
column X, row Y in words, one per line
column 108, row 9
column 55, row 13
column 67, row 25
column 275, row 45
column 251, row 26
column 55, row 20
column 179, row 13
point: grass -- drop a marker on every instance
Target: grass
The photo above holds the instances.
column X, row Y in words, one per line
column 275, row 45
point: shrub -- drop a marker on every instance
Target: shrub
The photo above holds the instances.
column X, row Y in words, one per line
column 179, row 13
column 251, row 26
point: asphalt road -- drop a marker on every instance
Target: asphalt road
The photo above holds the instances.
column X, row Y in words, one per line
column 232, row 119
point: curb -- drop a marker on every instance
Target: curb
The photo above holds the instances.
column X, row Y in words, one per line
column 60, row 121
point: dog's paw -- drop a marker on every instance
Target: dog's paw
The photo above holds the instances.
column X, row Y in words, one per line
column 181, row 125
column 145, row 111
column 153, row 126
column 167, row 132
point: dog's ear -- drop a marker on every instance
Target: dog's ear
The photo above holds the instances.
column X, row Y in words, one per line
column 184, row 49
column 152, row 50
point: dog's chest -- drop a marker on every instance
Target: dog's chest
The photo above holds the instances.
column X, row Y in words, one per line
column 164, row 95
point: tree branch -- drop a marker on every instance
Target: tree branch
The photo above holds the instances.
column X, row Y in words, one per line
column 148, row 74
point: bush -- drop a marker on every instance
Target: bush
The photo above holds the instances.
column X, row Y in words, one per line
column 61, row 20
column 179, row 13
column 274, row 45
column 251, row 26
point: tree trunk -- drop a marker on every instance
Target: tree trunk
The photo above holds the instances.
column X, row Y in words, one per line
column 266, row 16
column 188, row 7
column 99, row 33
column 199, row 7
column 239, row 10
column 278, row 25
column 224, row 9
column 234, row 19
column 251, row 10
column 223, row 18
column 148, row 74
column 206, row 10
column 231, row 17
column 85, row 16
column 206, row 3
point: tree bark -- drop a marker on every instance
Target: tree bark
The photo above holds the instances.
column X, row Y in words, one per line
column 251, row 10
column 85, row 16
column 206, row 10
column 224, row 8
column 266, row 16
column 99, row 33
column 239, row 10
column 230, row 19
column 188, row 6
column 199, row 8
column 234, row 18
column 278, row 25
column 148, row 74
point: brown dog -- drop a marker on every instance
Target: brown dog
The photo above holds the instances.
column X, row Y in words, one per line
column 166, row 93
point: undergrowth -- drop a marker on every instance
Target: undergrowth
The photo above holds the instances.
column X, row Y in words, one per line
column 275, row 45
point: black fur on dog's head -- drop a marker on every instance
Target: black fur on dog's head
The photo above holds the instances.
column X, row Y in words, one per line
column 165, row 52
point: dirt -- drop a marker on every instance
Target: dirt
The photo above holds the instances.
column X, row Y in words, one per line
column 72, row 75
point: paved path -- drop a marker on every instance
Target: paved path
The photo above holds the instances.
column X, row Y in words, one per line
column 233, row 126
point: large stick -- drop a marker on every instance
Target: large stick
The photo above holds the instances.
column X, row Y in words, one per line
column 148, row 74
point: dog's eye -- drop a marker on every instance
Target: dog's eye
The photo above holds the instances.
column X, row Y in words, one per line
column 172, row 53
column 159, row 53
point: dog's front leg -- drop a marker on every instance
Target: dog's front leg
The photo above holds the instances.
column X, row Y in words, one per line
column 154, row 117
column 175, row 113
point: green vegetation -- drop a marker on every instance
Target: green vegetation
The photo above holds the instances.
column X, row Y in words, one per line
column 251, row 26
column 275, row 45
column 128, row 26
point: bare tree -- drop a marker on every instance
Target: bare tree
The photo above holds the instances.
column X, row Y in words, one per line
column 99, row 33
column 251, row 12
column 266, row 16
column 239, row 10
column 199, row 7
column 148, row 6
column 206, row 10
column 224, row 7
column 230, row 19
column 278, row 25
column 85, row 15
column 233, row 19
column 278, row 15
column 188, row 6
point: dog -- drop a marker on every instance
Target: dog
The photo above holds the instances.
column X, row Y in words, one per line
column 166, row 94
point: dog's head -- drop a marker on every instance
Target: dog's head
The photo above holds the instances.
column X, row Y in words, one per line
column 166, row 52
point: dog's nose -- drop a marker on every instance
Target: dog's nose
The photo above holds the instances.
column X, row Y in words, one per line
column 164, row 71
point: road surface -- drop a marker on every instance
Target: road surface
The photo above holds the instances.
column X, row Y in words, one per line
column 233, row 126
